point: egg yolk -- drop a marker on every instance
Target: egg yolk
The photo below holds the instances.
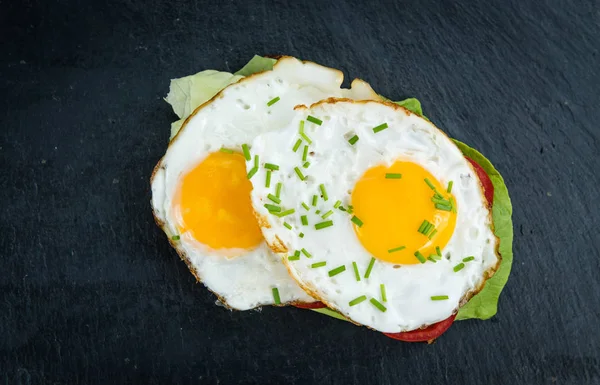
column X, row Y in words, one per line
column 213, row 203
column 393, row 204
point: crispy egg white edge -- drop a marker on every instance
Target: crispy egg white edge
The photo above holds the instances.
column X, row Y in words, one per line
column 246, row 281
column 414, row 309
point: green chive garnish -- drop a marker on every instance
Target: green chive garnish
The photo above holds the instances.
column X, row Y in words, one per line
column 297, row 145
column 430, row 258
column 431, row 186
column 381, row 127
column 337, row 204
column 327, row 214
column 175, row 237
column 314, row 200
column 396, row 249
column 423, row 226
column 314, row 120
column 273, row 101
column 272, row 208
column 378, row 305
column 305, row 206
column 459, row 267
column 301, row 235
column 357, row 300
column 432, row 234
column 392, row 176
column 318, row 212
column 299, row 173
column 271, row 166
column 438, row 251
column 268, row 180
column 323, row 192
column 356, row 273
column 353, row 140
column 440, row 200
column 383, row 296
column 318, row 264
column 226, row 150
column 342, row 208
column 439, row 297
column 276, row 296
column 453, row 204
column 255, row 161
column 449, row 189
column 350, row 209
column 273, row 198
column 304, row 220
column 468, row 259
column 322, row 225
column 285, row 213
column 306, row 253
column 305, row 153
column 252, row 172
column 442, row 207
column 337, row 270
column 356, row 221
column 246, row 151
column 293, row 258
column 287, row 225
column 278, row 189
column 420, row 257
column 302, row 134
column 369, row 268
column 306, row 164
column 297, row 253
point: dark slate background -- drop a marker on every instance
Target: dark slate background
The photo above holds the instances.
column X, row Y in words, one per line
column 90, row 291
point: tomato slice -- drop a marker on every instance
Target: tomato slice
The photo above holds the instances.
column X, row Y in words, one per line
column 311, row 305
column 486, row 182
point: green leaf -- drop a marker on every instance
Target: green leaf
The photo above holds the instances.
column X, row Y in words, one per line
column 411, row 104
column 257, row 64
column 330, row 313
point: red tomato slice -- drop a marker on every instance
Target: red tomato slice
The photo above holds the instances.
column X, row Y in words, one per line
column 312, row 305
column 488, row 187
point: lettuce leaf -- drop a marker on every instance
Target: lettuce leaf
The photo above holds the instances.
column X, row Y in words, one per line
column 257, row 64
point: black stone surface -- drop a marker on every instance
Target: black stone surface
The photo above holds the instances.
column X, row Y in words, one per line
column 90, row 291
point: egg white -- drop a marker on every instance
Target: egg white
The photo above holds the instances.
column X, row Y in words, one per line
column 234, row 117
column 339, row 165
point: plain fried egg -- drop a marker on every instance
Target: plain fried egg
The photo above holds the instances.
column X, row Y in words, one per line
column 201, row 191
column 379, row 213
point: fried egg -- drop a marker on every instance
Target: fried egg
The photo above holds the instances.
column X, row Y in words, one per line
column 379, row 214
column 201, row 190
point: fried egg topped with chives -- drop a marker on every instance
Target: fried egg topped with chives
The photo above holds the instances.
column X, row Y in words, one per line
column 378, row 214
column 201, row 189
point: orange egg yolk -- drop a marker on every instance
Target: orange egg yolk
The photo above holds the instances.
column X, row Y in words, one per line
column 393, row 204
column 213, row 203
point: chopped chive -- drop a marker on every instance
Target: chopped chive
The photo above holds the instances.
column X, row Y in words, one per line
column 453, row 204
column 357, row 300
column 305, row 206
column 256, row 161
column 314, row 120
column 433, row 233
column 273, row 101
column 420, row 257
column 429, row 227
column 356, row 221
column 301, row 235
column 175, row 237
column 314, row 200
column 436, row 257
column 276, row 296
column 396, row 249
column 318, row 264
column 392, row 176
column 431, row 186
column 268, row 180
column 383, row 296
column 369, row 268
column 353, row 140
column 278, row 189
column 271, row 166
column 306, row 164
column 305, row 153
column 350, row 209
column 438, row 195
column 438, row 251
column 246, row 151
column 293, row 258
column 423, row 226
column 327, row 214
column 299, row 173
column 356, row 273
column 442, row 207
column 449, row 189
column 440, row 200
column 323, row 192
column 274, row 198
column 323, row 225
column 297, row 145
column 459, row 267
column 297, row 253
column 252, row 172
column 285, row 213
column 381, row 127
column 226, row 150
column 431, row 259
column 468, row 259
column 337, row 204
column 302, row 134
column 439, row 297
column 342, row 208
column 378, row 305
column 306, row 253
column 287, row 225
column 337, row 270
column 272, row 208
column 304, row 220
column 318, row 212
